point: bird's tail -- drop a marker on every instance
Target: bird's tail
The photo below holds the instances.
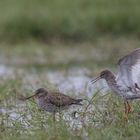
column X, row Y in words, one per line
column 77, row 101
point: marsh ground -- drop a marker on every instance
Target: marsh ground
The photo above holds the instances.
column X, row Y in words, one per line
column 68, row 67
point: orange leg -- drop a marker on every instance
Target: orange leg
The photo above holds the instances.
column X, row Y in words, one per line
column 129, row 107
column 125, row 105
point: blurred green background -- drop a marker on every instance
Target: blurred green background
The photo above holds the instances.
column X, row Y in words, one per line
column 68, row 32
column 64, row 19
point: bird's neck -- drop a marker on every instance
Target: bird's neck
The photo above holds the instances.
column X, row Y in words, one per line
column 111, row 81
column 113, row 85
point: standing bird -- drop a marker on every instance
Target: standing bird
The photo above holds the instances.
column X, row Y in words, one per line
column 127, row 82
column 53, row 101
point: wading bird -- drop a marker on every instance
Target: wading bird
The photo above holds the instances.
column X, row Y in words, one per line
column 127, row 82
column 53, row 101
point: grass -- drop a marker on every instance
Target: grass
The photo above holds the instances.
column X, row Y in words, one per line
column 91, row 34
column 79, row 20
column 30, row 61
column 105, row 121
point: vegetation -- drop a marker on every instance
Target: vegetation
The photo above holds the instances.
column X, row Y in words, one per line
column 23, row 120
column 63, row 19
column 38, row 37
column 28, row 66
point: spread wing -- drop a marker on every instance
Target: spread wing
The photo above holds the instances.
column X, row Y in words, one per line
column 129, row 71
column 59, row 99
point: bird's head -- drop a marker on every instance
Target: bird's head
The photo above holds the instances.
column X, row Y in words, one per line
column 104, row 74
column 39, row 93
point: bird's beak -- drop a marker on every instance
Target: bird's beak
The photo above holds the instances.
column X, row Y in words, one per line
column 95, row 80
column 30, row 97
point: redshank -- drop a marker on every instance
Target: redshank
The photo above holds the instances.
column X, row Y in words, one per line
column 126, row 83
column 53, row 101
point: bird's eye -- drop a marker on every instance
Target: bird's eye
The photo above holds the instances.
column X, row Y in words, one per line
column 102, row 74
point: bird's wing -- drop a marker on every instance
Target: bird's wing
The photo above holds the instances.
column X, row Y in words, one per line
column 129, row 70
column 59, row 99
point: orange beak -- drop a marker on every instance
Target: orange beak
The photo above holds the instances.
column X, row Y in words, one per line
column 95, row 80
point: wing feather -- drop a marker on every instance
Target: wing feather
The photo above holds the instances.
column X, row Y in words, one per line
column 129, row 70
column 59, row 99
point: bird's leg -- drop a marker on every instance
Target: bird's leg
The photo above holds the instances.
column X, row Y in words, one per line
column 54, row 120
column 125, row 105
column 129, row 107
column 54, row 117
column 60, row 114
column 126, row 111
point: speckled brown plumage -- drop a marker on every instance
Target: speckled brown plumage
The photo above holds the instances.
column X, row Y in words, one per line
column 53, row 101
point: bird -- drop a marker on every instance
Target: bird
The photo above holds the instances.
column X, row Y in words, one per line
column 53, row 102
column 126, row 84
